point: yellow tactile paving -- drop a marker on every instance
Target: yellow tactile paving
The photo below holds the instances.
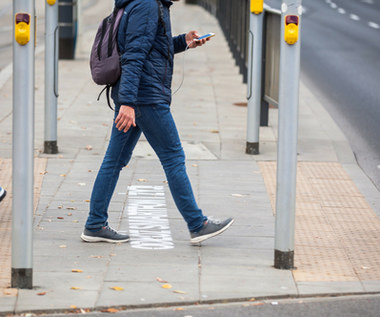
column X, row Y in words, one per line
column 337, row 234
column 6, row 213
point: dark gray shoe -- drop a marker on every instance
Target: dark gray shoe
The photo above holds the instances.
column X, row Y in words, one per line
column 211, row 229
column 3, row 193
column 106, row 234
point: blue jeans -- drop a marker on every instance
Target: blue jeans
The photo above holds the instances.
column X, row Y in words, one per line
column 157, row 124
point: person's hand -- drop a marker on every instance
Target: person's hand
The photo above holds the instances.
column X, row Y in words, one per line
column 125, row 118
column 191, row 39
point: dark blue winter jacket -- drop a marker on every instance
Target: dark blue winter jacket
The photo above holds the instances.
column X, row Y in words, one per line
column 146, row 53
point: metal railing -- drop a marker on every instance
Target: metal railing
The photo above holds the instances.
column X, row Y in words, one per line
column 233, row 17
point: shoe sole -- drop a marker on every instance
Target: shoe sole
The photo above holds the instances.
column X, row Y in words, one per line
column 100, row 239
column 210, row 235
column 3, row 196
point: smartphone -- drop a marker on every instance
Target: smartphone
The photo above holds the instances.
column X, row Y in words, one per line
column 206, row 36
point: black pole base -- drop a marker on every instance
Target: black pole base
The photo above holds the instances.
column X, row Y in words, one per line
column 284, row 260
column 252, row 148
column 50, row 147
column 22, row 278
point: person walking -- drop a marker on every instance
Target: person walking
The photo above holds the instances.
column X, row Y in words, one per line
column 3, row 193
column 142, row 98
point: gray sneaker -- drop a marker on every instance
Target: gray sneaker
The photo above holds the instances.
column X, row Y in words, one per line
column 106, row 234
column 211, row 229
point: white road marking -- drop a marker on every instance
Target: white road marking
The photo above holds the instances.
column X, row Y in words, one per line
column 373, row 25
column 333, row 5
column 149, row 227
column 367, row 1
column 354, row 17
column 341, row 11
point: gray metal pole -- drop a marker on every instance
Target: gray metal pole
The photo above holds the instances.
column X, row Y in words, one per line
column 254, row 81
column 287, row 135
column 51, row 76
column 23, row 143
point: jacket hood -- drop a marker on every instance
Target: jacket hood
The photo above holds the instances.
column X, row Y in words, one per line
column 123, row 3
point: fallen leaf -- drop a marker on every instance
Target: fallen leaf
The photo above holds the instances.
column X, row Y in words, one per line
column 63, row 246
column 63, row 175
column 73, row 306
column 237, row 195
column 77, row 271
column 194, row 165
column 179, row 308
column 71, row 208
column 179, row 292
column 142, row 180
column 166, row 286
column 117, row 288
column 75, row 221
column 69, row 214
column 60, row 218
column 110, row 310
column 214, row 131
column 41, row 294
column 97, row 256
column 60, row 207
column 87, row 201
column 90, row 171
column 10, row 292
column 89, row 147
column 252, row 299
column 75, row 287
column 160, row 280
column 257, row 304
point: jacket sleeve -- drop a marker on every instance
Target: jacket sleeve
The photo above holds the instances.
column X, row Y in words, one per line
column 179, row 43
column 139, row 37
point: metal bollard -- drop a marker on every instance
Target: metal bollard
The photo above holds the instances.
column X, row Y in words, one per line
column 287, row 135
column 51, row 76
column 23, row 143
column 254, row 76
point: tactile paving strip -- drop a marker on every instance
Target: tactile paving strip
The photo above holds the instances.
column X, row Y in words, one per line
column 337, row 235
column 6, row 214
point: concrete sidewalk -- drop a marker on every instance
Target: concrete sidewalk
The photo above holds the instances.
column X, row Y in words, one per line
column 338, row 208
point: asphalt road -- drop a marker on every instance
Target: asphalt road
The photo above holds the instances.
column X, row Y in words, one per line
column 353, row 306
column 340, row 62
